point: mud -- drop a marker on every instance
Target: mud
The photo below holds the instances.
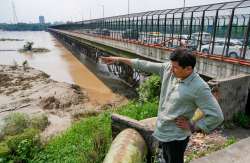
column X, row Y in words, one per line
column 31, row 91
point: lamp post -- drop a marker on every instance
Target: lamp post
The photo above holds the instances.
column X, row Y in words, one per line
column 90, row 15
column 102, row 11
column 184, row 5
column 128, row 6
column 102, row 26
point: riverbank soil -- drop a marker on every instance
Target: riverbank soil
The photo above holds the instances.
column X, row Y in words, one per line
column 31, row 91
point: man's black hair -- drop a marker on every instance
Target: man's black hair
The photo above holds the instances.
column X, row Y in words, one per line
column 183, row 57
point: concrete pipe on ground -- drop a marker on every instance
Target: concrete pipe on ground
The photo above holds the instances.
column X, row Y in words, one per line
column 128, row 147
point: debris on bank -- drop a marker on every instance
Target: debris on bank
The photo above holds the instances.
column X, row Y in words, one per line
column 10, row 39
column 35, row 50
column 28, row 48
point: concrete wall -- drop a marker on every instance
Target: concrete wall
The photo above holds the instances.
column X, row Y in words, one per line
column 219, row 69
column 233, row 93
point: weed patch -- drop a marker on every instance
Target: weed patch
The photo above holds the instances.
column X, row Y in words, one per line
column 86, row 141
column 242, row 120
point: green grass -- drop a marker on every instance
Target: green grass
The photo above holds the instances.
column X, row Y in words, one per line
column 139, row 111
column 86, row 141
column 20, row 147
column 89, row 139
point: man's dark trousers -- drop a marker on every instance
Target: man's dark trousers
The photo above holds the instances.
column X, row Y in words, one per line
column 173, row 152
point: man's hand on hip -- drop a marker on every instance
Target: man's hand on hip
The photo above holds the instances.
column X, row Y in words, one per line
column 182, row 123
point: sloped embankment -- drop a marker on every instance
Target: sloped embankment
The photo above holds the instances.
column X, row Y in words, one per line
column 31, row 91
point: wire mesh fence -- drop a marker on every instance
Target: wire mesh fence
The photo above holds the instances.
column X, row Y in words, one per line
column 214, row 29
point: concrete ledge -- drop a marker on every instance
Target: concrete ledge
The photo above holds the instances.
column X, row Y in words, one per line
column 236, row 153
column 233, row 93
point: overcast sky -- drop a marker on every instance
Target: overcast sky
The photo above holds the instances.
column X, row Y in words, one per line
column 75, row 10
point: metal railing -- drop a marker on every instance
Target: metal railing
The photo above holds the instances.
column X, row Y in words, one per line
column 215, row 29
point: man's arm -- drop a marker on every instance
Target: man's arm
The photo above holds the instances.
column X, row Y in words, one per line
column 213, row 114
column 207, row 103
column 147, row 66
column 111, row 60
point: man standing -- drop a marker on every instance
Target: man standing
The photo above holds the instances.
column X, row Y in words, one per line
column 182, row 92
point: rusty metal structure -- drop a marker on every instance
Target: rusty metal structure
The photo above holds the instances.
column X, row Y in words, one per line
column 216, row 29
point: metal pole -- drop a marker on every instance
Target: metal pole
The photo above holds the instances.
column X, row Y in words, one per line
column 129, row 28
column 137, row 28
column 158, row 28
column 119, row 29
column 146, row 28
column 141, row 29
column 102, row 16
column 191, row 25
column 111, row 28
column 181, row 23
column 229, row 32
column 125, row 25
column 128, row 6
column 184, row 5
column 172, row 32
column 122, row 27
column 90, row 14
column 246, row 39
column 165, row 30
column 201, row 31
column 214, row 31
column 103, row 11
column 152, row 29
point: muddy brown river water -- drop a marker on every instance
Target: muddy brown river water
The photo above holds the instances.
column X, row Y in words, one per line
column 59, row 63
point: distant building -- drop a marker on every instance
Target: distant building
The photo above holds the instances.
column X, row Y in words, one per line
column 41, row 20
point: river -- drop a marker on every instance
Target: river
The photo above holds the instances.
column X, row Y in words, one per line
column 60, row 64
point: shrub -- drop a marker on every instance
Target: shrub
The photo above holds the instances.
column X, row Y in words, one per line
column 139, row 111
column 23, row 146
column 21, row 136
column 29, row 134
column 1, row 134
column 15, row 123
column 39, row 122
column 150, row 89
column 4, row 150
column 242, row 119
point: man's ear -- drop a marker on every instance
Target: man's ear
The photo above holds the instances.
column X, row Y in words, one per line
column 189, row 69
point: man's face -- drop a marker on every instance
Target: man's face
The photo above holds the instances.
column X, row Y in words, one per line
column 180, row 72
